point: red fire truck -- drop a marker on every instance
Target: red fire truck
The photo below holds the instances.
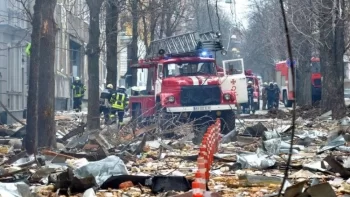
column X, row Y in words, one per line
column 185, row 81
column 283, row 79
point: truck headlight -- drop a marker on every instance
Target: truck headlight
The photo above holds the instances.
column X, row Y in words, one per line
column 171, row 99
column 227, row 97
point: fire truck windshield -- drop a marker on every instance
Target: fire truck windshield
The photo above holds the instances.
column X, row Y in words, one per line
column 189, row 69
column 315, row 67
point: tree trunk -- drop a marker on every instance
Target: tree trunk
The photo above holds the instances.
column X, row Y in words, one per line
column 145, row 32
column 46, row 109
column 339, row 108
column 303, row 48
column 304, row 83
column 32, row 102
column 162, row 19
column 153, row 19
column 134, row 46
column 93, row 53
column 168, row 24
column 332, row 63
column 303, row 89
column 112, row 19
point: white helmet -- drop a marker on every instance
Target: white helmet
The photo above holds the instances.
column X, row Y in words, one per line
column 122, row 87
column 77, row 78
column 250, row 82
column 110, row 86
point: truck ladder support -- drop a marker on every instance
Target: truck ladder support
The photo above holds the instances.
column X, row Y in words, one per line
column 185, row 43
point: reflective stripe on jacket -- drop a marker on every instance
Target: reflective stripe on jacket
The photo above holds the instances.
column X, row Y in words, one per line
column 78, row 90
column 118, row 101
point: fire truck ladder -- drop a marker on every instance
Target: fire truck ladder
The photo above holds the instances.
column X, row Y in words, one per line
column 184, row 44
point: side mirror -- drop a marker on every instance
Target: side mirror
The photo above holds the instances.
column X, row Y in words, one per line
column 160, row 75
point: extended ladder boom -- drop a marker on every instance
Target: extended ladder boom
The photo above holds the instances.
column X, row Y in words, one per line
column 185, row 43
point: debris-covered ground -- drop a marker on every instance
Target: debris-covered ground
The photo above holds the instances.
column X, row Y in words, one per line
column 109, row 162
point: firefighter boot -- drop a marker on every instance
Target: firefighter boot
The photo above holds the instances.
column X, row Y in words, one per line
column 112, row 119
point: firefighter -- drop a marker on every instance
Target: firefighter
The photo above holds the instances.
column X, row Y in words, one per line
column 264, row 96
column 277, row 95
column 105, row 99
column 122, row 89
column 250, row 90
column 271, row 96
column 119, row 102
column 78, row 93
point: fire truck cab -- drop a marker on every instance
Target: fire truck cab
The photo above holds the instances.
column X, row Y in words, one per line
column 185, row 81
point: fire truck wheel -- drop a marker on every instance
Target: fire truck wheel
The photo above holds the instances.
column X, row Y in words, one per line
column 228, row 121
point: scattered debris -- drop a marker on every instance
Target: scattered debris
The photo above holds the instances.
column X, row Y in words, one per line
column 142, row 162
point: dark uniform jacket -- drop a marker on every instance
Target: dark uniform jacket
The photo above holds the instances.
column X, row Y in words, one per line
column 271, row 92
column 78, row 89
column 250, row 90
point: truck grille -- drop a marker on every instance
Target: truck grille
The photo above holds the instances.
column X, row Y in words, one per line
column 200, row 95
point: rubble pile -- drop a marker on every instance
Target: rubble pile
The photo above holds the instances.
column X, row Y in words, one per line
column 250, row 161
column 306, row 112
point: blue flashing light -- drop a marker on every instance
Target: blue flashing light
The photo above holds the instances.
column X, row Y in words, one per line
column 204, row 53
column 167, row 57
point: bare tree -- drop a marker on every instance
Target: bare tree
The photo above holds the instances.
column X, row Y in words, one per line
column 113, row 9
column 332, row 52
column 312, row 27
column 93, row 53
column 263, row 42
column 173, row 13
column 202, row 17
column 302, row 25
column 134, row 42
column 46, row 109
column 149, row 14
column 33, row 96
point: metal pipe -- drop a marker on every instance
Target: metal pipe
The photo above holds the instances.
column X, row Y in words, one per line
column 229, row 40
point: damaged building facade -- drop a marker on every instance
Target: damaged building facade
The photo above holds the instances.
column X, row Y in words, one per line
column 72, row 36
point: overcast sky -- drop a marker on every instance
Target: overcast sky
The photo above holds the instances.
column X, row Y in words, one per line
column 242, row 10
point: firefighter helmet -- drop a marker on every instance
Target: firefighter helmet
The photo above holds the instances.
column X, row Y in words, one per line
column 250, row 82
column 77, row 78
column 110, row 86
